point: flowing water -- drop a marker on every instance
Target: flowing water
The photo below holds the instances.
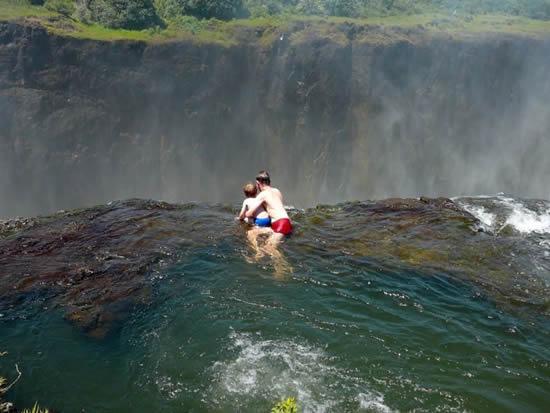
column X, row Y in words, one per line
column 397, row 305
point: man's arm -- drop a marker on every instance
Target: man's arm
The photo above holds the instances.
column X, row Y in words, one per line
column 254, row 205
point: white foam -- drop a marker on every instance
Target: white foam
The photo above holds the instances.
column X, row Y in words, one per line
column 459, row 198
column 486, row 218
column 276, row 369
column 373, row 403
column 524, row 219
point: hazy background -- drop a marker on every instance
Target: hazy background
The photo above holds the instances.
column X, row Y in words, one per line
column 84, row 123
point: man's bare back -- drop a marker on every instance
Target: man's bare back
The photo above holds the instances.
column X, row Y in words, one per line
column 272, row 200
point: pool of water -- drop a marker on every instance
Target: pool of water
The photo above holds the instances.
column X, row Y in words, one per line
column 340, row 332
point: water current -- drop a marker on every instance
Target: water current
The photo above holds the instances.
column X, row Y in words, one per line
column 396, row 305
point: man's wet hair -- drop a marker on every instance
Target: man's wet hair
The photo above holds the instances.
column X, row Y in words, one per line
column 250, row 190
column 263, row 178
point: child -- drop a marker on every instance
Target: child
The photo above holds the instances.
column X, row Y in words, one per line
column 260, row 218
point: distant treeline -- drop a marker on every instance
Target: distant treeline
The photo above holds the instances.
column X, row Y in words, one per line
column 140, row 14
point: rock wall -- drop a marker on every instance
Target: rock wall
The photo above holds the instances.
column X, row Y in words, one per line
column 333, row 117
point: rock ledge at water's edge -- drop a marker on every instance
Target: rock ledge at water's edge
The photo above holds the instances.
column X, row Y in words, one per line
column 99, row 263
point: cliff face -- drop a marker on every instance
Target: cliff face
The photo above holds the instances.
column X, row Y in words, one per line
column 84, row 122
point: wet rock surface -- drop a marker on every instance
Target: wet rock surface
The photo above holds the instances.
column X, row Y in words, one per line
column 94, row 263
column 98, row 264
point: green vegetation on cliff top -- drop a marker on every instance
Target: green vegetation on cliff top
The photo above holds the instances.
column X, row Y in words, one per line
column 270, row 27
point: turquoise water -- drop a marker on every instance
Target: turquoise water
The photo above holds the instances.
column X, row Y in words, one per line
column 340, row 332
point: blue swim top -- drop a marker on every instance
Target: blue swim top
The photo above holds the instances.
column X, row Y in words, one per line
column 263, row 222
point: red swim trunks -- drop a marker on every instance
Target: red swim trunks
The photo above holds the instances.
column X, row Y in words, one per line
column 282, row 226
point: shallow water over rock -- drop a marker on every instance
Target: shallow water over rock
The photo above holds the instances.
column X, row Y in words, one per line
column 429, row 304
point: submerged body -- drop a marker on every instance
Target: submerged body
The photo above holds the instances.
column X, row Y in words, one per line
column 406, row 283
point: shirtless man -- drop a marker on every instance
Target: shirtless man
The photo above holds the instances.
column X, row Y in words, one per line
column 272, row 199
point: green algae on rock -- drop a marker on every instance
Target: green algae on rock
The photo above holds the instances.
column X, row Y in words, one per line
column 97, row 264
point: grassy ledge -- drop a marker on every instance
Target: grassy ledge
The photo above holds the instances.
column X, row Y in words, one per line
column 268, row 29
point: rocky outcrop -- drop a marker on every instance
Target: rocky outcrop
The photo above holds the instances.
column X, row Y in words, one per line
column 349, row 114
column 98, row 265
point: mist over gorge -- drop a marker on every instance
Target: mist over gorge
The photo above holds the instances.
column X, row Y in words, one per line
column 127, row 130
column 353, row 114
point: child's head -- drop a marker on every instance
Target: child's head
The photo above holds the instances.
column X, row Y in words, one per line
column 250, row 190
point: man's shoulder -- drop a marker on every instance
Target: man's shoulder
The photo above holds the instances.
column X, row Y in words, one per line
column 276, row 191
column 268, row 193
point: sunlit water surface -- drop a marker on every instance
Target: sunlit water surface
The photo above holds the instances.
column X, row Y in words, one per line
column 340, row 333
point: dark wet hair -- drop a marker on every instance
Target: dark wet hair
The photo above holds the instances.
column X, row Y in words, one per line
column 263, row 178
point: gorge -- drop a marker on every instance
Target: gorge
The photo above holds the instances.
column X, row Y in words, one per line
column 336, row 112
column 413, row 160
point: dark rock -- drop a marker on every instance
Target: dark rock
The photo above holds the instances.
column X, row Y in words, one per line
column 95, row 263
